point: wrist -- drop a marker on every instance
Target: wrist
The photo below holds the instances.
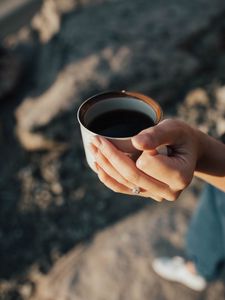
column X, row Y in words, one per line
column 201, row 141
column 211, row 153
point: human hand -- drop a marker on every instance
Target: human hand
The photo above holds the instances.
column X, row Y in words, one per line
column 158, row 176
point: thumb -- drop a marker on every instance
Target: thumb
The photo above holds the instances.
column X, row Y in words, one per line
column 164, row 133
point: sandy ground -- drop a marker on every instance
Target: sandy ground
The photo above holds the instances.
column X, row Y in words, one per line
column 62, row 234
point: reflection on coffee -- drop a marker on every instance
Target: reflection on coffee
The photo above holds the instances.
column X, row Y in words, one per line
column 120, row 123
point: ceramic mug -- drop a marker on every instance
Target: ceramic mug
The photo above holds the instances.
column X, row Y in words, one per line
column 103, row 103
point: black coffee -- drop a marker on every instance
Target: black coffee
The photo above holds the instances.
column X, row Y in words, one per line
column 120, row 123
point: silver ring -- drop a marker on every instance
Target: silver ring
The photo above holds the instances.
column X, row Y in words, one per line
column 136, row 190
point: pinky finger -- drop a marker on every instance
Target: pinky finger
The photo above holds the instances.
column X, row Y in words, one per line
column 111, row 183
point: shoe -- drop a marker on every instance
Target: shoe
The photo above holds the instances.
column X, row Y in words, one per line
column 174, row 269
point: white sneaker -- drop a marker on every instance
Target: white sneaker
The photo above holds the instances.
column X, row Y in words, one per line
column 174, row 269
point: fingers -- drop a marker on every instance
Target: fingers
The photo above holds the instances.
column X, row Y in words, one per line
column 165, row 169
column 117, row 187
column 104, row 164
column 128, row 170
column 159, row 176
column 111, row 183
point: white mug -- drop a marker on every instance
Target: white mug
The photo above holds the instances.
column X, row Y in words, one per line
column 109, row 101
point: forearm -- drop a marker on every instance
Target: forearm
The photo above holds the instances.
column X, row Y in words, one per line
column 211, row 163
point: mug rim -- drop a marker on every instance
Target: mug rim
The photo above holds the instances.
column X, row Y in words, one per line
column 89, row 102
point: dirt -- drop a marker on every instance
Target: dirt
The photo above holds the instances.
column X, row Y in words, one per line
column 63, row 235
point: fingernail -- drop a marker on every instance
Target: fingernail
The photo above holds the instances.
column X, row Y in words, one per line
column 141, row 142
column 141, row 138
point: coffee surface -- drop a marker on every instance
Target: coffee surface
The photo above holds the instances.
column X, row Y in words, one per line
column 120, row 123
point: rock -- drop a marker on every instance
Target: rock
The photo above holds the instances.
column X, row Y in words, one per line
column 26, row 290
column 47, row 21
column 220, row 106
column 197, row 97
column 220, row 96
column 16, row 14
column 205, row 111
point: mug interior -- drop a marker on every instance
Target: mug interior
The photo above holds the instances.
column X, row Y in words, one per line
column 108, row 105
column 107, row 102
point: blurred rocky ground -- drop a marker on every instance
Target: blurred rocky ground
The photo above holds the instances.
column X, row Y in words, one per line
column 58, row 237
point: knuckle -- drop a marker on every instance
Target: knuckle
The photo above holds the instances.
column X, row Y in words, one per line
column 154, row 137
column 98, row 155
column 132, row 177
column 181, row 180
column 171, row 196
column 103, row 177
column 101, row 159
column 118, row 190
column 155, row 197
column 107, row 150
column 106, row 180
column 140, row 164
column 173, row 123
column 115, row 189
column 158, row 199
column 184, row 182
